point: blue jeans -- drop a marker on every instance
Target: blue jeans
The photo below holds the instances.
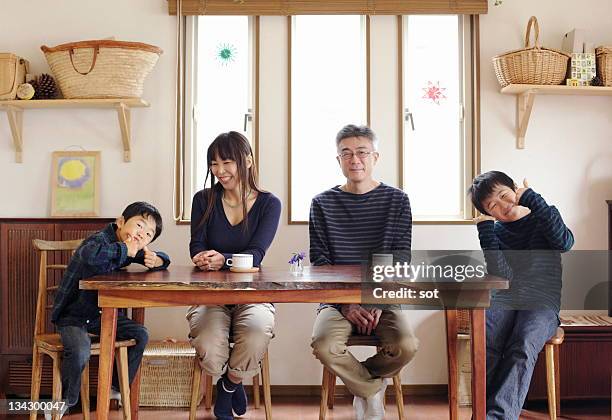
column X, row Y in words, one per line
column 514, row 339
column 77, row 349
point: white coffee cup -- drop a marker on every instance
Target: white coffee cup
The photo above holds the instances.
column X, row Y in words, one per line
column 240, row 261
column 382, row 259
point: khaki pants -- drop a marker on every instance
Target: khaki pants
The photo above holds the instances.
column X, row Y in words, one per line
column 252, row 327
column 363, row 379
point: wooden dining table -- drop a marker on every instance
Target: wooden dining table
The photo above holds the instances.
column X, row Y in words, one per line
column 186, row 285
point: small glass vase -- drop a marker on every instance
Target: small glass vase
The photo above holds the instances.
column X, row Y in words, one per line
column 296, row 268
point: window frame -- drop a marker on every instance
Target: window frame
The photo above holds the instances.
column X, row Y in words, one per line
column 470, row 69
column 186, row 187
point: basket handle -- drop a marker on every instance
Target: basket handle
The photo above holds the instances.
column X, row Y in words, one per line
column 532, row 21
column 17, row 62
column 93, row 62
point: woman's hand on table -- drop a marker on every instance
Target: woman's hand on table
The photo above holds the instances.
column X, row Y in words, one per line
column 210, row 260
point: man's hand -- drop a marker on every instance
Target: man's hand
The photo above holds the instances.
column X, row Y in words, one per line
column 521, row 191
column 151, row 260
column 482, row 218
column 132, row 246
column 209, row 260
column 376, row 313
column 358, row 316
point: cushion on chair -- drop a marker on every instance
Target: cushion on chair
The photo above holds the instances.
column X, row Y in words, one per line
column 557, row 339
column 53, row 343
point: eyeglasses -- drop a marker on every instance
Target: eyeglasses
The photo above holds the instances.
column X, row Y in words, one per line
column 361, row 154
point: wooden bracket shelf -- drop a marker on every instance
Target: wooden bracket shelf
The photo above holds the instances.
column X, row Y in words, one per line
column 14, row 112
column 525, row 97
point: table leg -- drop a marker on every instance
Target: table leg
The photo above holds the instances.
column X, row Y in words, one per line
column 451, row 353
column 107, row 355
column 479, row 364
column 138, row 315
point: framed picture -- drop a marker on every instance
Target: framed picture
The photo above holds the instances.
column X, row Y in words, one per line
column 75, row 184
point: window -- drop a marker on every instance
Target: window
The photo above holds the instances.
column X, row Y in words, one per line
column 437, row 139
column 328, row 89
column 219, row 93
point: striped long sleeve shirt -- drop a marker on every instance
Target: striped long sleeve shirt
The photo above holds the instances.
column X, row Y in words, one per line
column 528, row 253
column 345, row 227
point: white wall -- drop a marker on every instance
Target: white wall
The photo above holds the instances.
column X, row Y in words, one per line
column 568, row 156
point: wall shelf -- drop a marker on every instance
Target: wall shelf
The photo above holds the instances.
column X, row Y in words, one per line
column 14, row 112
column 525, row 96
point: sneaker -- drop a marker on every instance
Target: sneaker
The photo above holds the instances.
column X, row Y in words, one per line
column 375, row 409
column 359, row 404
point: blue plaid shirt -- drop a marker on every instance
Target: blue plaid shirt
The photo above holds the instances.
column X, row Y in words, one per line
column 101, row 253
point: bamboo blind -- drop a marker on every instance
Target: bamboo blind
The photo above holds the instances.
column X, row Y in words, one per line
column 313, row 7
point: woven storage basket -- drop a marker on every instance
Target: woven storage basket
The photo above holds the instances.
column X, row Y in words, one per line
column 166, row 374
column 463, row 321
column 604, row 64
column 13, row 71
column 534, row 65
column 101, row 68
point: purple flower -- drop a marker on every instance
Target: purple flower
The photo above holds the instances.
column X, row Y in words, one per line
column 297, row 257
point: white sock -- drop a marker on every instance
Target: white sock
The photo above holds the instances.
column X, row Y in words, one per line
column 359, row 404
column 376, row 404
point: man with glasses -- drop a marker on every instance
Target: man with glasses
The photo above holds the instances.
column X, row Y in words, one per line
column 348, row 223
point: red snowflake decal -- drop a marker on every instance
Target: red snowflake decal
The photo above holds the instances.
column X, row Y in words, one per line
column 434, row 92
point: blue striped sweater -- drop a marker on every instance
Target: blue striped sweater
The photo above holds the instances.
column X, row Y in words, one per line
column 534, row 270
column 346, row 227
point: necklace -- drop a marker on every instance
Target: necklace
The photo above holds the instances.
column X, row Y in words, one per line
column 233, row 206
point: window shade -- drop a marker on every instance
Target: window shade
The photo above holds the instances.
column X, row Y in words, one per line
column 324, row 7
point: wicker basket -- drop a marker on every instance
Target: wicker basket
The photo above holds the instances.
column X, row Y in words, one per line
column 604, row 64
column 463, row 321
column 101, row 68
column 166, row 374
column 13, row 71
column 534, row 65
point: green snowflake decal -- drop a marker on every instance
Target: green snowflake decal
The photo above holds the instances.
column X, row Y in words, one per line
column 226, row 53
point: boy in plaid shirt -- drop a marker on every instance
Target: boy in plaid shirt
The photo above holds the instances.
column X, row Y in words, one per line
column 76, row 313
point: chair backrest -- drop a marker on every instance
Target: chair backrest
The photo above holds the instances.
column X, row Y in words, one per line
column 44, row 247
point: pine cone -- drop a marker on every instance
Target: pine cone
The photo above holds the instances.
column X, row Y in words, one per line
column 46, row 87
column 596, row 81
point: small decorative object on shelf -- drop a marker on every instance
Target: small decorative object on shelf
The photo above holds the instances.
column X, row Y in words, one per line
column 45, row 87
column 25, row 91
column 582, row 68
column 296, row 263
column 596, row 81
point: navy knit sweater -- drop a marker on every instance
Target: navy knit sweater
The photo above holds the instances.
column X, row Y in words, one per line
column 534, row 270
column 218, row 234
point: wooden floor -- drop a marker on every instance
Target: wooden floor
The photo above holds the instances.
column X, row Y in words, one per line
column 418, row 408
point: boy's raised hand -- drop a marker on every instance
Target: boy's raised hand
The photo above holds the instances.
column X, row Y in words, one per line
column 132, row 246
column 520, row 191
column 151, row 260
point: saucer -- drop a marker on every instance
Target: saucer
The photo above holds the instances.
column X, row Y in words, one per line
column 244, row 270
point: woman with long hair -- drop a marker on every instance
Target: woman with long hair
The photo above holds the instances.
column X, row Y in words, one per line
column 233, row 216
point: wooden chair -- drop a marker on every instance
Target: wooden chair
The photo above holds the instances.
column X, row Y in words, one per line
column 208, row 388
column 51, row 344
column 328, row 385
column 553, row 380
column 459, row 320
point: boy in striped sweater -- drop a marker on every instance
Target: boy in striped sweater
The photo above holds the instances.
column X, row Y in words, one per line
column 522, row 238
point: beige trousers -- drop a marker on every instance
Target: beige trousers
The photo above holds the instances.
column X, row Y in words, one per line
column 363, row 379
column 251, row 326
